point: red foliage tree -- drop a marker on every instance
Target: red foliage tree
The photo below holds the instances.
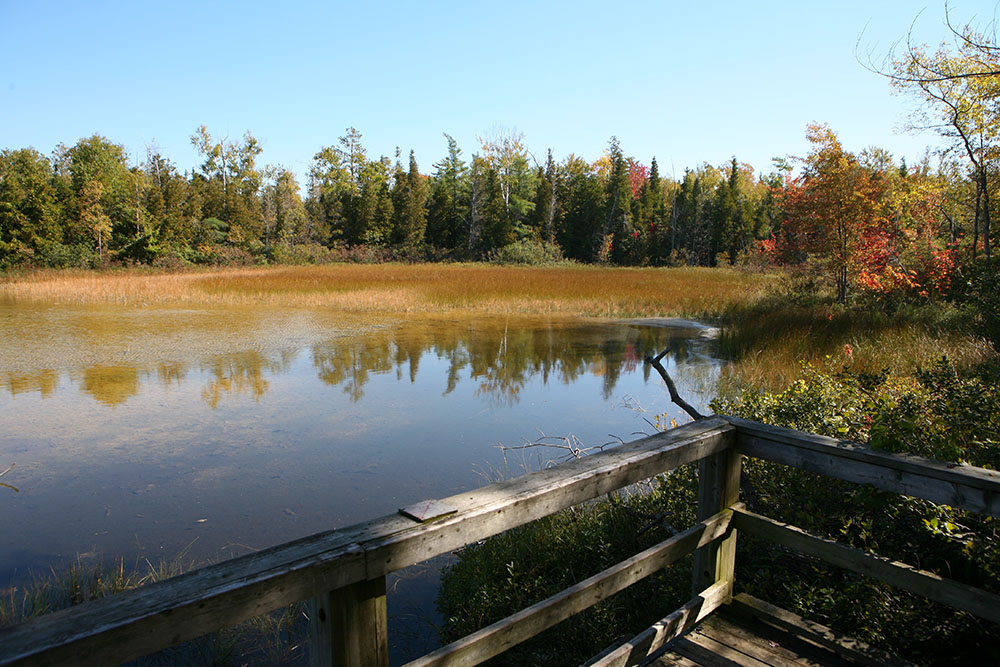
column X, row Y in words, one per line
column 869, row 225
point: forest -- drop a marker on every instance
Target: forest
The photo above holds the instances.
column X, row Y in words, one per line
column 864, row 220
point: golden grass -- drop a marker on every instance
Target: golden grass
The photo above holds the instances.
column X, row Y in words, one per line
column 767, row 345
column 420, row 288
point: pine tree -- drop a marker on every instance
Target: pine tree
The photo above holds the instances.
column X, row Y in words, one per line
column 449, row 200
column 618, row 200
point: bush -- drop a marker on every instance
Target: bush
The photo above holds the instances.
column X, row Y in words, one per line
column 527, row 251
column 983, row 294
column 59, row 256
column 300, row 254
column 224, row 255
column 174, row 259
column 940, row 413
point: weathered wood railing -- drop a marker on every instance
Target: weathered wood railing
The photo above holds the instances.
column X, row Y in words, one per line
column 342, row 572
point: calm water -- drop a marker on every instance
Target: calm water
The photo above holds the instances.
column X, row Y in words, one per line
column 149, row 433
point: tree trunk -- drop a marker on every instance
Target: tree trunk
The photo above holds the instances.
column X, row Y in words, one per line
column 986, row 211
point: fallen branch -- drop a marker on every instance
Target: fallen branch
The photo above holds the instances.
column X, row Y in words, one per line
column 4, row 473
column 674, row 396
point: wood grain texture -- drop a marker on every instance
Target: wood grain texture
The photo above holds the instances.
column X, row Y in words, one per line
column 961, row 486
column 848, row 648
column 718, row 488
column 652, row 639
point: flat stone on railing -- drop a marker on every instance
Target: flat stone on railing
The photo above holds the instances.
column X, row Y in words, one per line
column 427, row 510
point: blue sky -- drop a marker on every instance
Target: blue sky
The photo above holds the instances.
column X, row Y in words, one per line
column 687, row 82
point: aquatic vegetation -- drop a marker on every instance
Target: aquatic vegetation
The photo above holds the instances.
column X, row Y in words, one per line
column 566, row 290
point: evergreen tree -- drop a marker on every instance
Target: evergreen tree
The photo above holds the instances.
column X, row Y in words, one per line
column 446, row 220
column 652, row 210
column 546, row 205
column 497, row 222
column 409, row 199
column 374, row 210
column 581, row 230
column 617, row 203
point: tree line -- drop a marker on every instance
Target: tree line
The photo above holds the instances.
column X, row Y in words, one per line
column 91, row 204
column 86, row 205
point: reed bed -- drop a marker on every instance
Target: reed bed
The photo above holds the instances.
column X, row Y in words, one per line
column 420, row 288
column 766, row 345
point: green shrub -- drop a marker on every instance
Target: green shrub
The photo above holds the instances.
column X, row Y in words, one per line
column 59, row 256
column 984, row 295
column 527, row 251
column 299, row 254
column 941, row 413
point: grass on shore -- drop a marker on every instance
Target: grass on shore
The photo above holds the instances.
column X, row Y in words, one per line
column 578, row 291
column 766, row 345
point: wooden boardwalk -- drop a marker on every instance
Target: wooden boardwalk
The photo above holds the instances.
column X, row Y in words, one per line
column 751, row 632
column 341, row 573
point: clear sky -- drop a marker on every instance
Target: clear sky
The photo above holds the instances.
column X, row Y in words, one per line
column 687, row 82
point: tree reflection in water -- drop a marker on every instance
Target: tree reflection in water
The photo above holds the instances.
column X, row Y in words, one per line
column 500, row 355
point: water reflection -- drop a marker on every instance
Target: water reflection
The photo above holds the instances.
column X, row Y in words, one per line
column 111, row 385
column 500, row 357
column 241, row 374
column 44, row 381
column 348, row 363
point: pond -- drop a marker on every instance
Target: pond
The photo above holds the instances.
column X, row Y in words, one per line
column 157, row 433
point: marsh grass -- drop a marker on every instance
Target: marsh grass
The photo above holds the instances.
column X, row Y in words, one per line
column 765, row 345
column 579, row 291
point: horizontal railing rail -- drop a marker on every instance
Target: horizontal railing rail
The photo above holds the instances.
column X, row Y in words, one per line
column 341, row 573
column 525, row 624
column 959, row 486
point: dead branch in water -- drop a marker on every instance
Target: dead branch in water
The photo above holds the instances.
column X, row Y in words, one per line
column 674, row 396
column 4, row 473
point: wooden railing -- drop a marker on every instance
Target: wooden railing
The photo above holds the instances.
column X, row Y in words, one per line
column 341, row 573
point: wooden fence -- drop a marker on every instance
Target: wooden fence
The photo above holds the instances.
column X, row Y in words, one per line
column 341, row 573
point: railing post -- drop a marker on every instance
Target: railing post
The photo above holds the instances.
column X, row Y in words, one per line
column 347, row 626
column 718, row 488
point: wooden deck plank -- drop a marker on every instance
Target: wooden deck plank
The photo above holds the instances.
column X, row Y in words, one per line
column 741, row 633
column 730, row 650
column 804, row 650
column 674, row 660
column 850, row 649
column 724, row 630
